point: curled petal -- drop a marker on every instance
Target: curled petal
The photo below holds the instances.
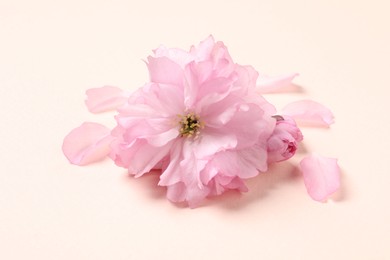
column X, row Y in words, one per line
column 164, row 70
column 171, row 174
column 176, row 192
column 141, row 161
column 242, row 164
column 321, row 176
column 203, row 50
column 310, row 113
column 179, row 56
column 210, row 143
column 105, row 99
column 266, row 84
column 87, row 143
column 221, row 183
column 192, row 194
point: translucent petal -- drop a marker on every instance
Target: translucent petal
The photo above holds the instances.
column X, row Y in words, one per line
column 87, row 143
column 321, row 176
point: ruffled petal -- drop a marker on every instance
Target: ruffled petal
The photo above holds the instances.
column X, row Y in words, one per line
column 87, row 143
column 161, row 139
column 247, row 78
column 155, row 100
column 176, row 192
column 164, row 70
column 157, row 131
column 309, row 113
column 171, row 173
column 190, row 87
column 245, row 163
column 196, row 195
column 222, row 183
column 183, row 166
column 211, row 142
column 321, row 176
column 203, row 50
column 104, row 99
column 216, row 53
column 179, row 56
column 192, row 194
column 266, row 84
column 139, row 157
column 248, row 124
column 219, row 85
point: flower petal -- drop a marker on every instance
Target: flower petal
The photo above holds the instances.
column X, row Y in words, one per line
column 179, row 56
column 139, row 157
column 203, row 50
column 266, row 84
column 248, row 125
column 164, row 70
column 222, row 183
column 183, row 166
column 171, row 174
column 154, row 99
column 309, row 113
column 211, row 142
column 176, row 192
column 105, row 99
column 87, row 143
column 192, row 194
column 321, row 176
column 245, row 163
column 157, row 131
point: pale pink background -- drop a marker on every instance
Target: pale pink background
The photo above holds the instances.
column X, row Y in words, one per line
column 52, row 51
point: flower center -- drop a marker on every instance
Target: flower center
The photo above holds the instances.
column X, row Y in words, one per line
column 190, row 125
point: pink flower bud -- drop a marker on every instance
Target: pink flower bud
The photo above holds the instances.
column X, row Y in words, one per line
column 284, row 140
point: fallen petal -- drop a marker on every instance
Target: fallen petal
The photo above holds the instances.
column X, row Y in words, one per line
column 309, row 113
column 321, row 176
column 87, row 143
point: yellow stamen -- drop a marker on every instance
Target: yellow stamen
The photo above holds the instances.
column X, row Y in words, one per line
column 190, row 125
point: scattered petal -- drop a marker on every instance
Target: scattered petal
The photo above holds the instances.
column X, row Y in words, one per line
column 321, row 176
column 87, row 143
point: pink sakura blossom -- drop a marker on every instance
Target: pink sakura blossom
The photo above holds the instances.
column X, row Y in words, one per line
column 200, row 121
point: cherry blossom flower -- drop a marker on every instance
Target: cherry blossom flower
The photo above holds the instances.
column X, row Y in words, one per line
column 201, row 121
column 198, row 121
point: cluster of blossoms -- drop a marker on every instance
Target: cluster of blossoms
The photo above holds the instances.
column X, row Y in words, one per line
column 203, row 123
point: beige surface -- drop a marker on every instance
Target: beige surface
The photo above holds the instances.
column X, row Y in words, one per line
column 52, row 51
